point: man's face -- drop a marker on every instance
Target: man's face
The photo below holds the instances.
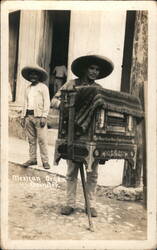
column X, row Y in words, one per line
column 93, row 72
column 34, row 78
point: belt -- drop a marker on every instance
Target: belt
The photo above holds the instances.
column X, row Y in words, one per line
column 29, row 112
column 59, row 77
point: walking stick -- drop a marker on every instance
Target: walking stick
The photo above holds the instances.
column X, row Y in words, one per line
column 71, row 106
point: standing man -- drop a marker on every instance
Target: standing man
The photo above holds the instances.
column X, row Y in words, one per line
column 34, row 114
column 87, row 69
column 60, row 74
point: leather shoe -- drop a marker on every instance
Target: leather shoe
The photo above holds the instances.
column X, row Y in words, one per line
column 46, row 165
column 93, row 212
column 67, row 210
column 30, row 163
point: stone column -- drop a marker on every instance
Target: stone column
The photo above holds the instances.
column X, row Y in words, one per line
column 96, row 32
column 45, row 43
column 34, row 41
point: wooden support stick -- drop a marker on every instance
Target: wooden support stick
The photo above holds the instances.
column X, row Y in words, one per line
column 87, row 202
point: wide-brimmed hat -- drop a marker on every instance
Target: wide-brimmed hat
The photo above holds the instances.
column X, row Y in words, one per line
column 80, row 64
column 26, row 71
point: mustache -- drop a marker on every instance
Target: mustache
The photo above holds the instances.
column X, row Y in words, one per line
column 93, row 74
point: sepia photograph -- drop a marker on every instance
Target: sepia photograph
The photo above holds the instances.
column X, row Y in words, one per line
column 78, row 125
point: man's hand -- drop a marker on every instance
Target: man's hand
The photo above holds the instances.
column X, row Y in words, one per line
column 22, row 122
column 55, row 103
column 70, row 86
column 42, row 122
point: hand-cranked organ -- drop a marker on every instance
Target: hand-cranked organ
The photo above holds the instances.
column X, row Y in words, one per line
column 96, row 125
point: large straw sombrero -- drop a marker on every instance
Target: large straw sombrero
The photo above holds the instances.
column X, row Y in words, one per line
column 80, row 64
column 40, row 71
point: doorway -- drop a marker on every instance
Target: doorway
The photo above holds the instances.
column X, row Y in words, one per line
column 60, row 44
column 14, row 21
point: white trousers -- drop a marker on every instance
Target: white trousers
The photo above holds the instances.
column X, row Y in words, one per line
column 36, row 133
column 58, row 82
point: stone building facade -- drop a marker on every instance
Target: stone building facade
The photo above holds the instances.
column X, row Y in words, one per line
column 45, row 36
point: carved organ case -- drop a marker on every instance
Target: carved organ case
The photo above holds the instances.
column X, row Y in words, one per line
column 97, row 125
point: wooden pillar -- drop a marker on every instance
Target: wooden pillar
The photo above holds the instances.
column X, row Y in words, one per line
column 128, row 50
column 34, row 45
column 138, row 84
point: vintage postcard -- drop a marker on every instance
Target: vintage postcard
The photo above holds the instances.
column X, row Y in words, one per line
column 78, row 125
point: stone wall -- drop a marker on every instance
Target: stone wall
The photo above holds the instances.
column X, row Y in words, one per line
column 15, row 128
column 121, row 193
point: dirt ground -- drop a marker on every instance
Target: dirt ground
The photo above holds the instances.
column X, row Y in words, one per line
column 35, row 200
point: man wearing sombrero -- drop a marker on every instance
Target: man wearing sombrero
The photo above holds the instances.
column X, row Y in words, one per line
column 34, row 114
column 87, row 69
